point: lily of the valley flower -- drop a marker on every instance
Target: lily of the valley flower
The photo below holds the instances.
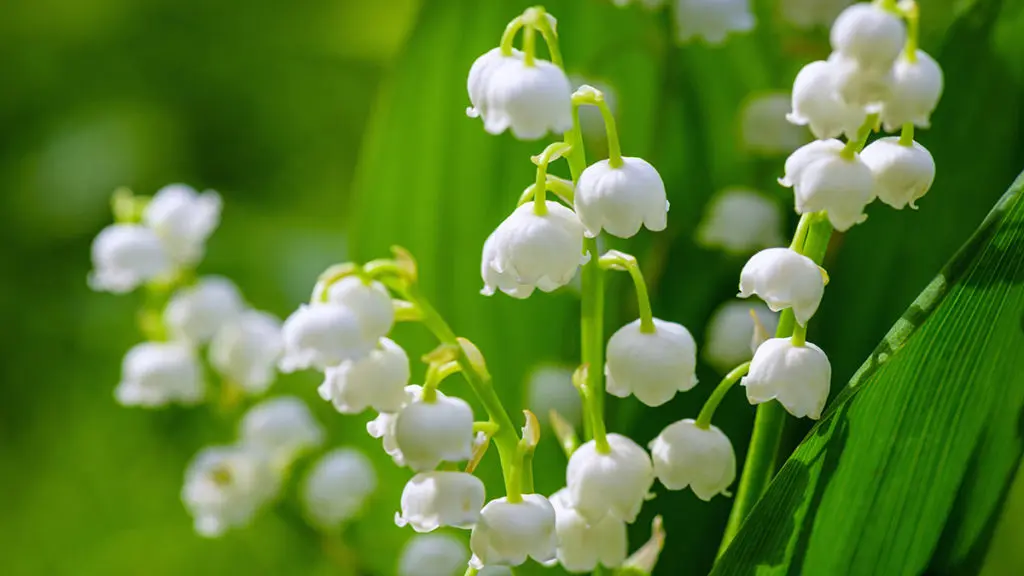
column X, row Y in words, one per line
column 370, row 302
column 337, row 487
column 196, row 313
column 158, row 373
column 433, row 555
column 916, row 89
column 321, row 336
column 903, row 174
column 784, row 278
column 686, row 455
column 869, row 34
column 530, row 250
column 817, row 105
column 613, row 484
column 377, row 381
column 651, row 366
column 730, row 331
column 431, row 500
column 799, row 377
column 509, row 532
column 183, row 220
column 283, row 428
column 712, row 20
column 582, row 546
column 125, row 256
column 245, row 350
column 764, row 128
column 823, row 178
column 429, row 432
column 225, row 486
column 740, row 221
column 621, row 199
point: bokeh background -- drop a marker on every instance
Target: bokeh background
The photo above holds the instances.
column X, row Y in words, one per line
column 335, row 128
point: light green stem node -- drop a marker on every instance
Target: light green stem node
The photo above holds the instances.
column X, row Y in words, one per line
column 799, row 338
column 615, row 260
column 730, row 379
column 594, row 97
column 126, row 206
column 907, row 134
column 855, row 145
column 487, row 427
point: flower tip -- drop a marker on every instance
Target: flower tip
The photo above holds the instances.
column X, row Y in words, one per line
column 472, row 112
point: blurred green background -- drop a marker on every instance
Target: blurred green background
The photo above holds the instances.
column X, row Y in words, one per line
column 335, row 128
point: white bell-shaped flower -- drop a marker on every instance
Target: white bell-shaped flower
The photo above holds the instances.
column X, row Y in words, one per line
column 860, row 86
column 383, row 426
column 712, row 20
column 377, row 381
column 431, row 500
column 740, row 221
column 613, row 484
column 764, row 128
column 433, row 555
column 337, row 487
column 807, row 14
column 507, row 94
column 281, row 427
column 530, row 251
column 687, row 455
column 428, row 433
column 196, row 313
column 869, row 34
column 728, row 340
column 184, row 220
column 903, row 174
column 621, row 200
column 550, row 388
column 916, row 89
column 582, row 546
column 245, row 351
column 321, row 336
column 823, row 179
column 651, row 366
column 784, row 279
column 507, row 533
column 125, row 256
column 158, row 373
column 225, row 486
column 369, row 300
column 817, row 105
column 798, row 377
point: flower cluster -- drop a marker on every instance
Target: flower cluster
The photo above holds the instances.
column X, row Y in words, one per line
column 157, row 243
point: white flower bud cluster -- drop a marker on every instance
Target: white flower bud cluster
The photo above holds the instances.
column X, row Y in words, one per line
column 876, row 74
column 208, row 315
column 225, row 486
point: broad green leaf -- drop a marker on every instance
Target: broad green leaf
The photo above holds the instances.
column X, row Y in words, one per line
column 929, row 422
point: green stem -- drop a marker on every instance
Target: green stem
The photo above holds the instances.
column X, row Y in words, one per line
column 470, row 571
column 435, row 375
column 615, row 260
column 595, row 97
column 907, row 134
column 553, row 151
column 799, row 337
column 529, row 46
column 509, row 36
column 770, row 420
column 550, row 38
column 913, row 31
column 708, row 411
column 504, row 438
column 855, row 145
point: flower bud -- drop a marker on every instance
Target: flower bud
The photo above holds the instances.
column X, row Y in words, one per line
column 823, row 179
column 651, row 366
column 383, row 426
column 507, row 533
column 158, row 373
column 730, row 331
column 125, row 256
column 807, row 14
column 784, row 279
column 377, row 381
column 506, row 93
column 621, row 200
column 582, row 546
column 245, row 351
column 740, row 221
column 322, row 335
column 916, row 89
column 225, row 486
column 686, row 455
column 196, row 313
column 797, row 376
column 433, row 555
column 337, row 487
column 530, row 251
column 763, row 126
column 613, row 484
column 861, row 86
column 184, row 220
column 282, row 428
column 711, row 20
column 431, row 500
column 869, row 34
column 428, row 433
column 370, row 302
column 817, row 105
column 903, row 174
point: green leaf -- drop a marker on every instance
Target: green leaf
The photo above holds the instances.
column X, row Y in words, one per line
column 915, row 457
